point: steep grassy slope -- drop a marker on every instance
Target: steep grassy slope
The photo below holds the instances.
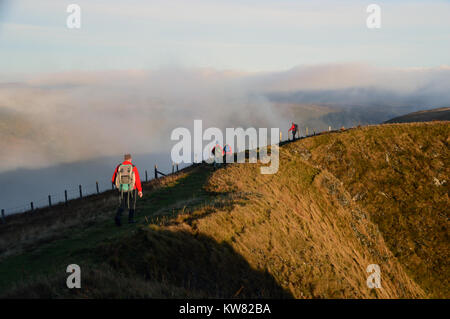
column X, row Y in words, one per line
column 400, row 175
column 301, row 226
column 309, row 231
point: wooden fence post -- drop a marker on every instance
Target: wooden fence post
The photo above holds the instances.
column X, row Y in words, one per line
column 3, row 216
column 96, row 185
column 146, row 176
column 65, row 197
column 306, row 131
column 49, row 200
column 177, row 167
column 156, row 171
column 81, row 193
column 173, row 167
column 32, row 206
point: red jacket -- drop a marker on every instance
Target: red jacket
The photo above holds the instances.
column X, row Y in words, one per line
column 136, row 174
column 213, row 151
column 294, row 128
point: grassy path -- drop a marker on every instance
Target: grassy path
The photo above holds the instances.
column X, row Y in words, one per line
column 77, row 245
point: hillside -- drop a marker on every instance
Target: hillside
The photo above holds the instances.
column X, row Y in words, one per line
column 440, row 114
column 340, row 201
column 399, row 174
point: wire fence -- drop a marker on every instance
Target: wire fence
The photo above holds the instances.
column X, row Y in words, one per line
column 82, row 191
column 54, row 199
column 79, row 192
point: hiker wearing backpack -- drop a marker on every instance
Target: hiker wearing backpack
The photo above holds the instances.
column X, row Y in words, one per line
column 294, row 129
column 227, row 154
column 127, row 181
column 217, row 152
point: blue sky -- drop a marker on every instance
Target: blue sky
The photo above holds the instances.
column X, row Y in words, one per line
column 240, row 35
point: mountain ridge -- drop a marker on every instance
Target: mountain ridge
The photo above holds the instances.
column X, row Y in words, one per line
column 305, row 232
column 438, row 114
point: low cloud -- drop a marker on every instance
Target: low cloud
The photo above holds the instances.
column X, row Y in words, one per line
column 71, row 116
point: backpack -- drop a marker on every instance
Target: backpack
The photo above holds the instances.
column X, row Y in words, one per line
column 125, row 178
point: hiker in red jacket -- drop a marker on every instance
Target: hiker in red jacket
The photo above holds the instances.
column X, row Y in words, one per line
column 294, row 129
column 217, row 149
column 127, row 181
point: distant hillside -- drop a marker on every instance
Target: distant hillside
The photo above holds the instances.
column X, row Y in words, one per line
column 318, row 117
column 340, row 201
column 400, row 175
column 440, row 114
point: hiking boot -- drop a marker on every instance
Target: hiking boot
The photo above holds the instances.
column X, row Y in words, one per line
column 118, row 221
column 118, row 218
column 131, row 217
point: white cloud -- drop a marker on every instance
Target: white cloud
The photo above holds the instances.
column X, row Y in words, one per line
column 61, row 117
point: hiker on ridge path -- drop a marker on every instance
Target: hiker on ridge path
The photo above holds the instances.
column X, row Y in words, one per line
column 217, row 152
column 294, row 129
column 127, row 181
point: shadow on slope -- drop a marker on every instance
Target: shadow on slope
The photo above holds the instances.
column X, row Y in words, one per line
column 194, row 262
column 157, row 263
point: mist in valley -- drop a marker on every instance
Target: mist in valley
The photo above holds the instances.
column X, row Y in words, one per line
column 50, row 123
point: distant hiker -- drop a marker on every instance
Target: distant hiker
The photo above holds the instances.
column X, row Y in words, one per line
column 227, row 150
column 294, row 129
column 217, row 152
column 127, row 181
column 227, row 153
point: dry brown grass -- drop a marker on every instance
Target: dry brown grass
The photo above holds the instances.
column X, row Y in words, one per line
column 299, row 226
column 400, row 175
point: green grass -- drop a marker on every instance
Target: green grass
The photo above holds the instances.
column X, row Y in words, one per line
column 78, row 244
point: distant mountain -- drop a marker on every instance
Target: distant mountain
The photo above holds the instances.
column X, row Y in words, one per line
column 440, row 114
